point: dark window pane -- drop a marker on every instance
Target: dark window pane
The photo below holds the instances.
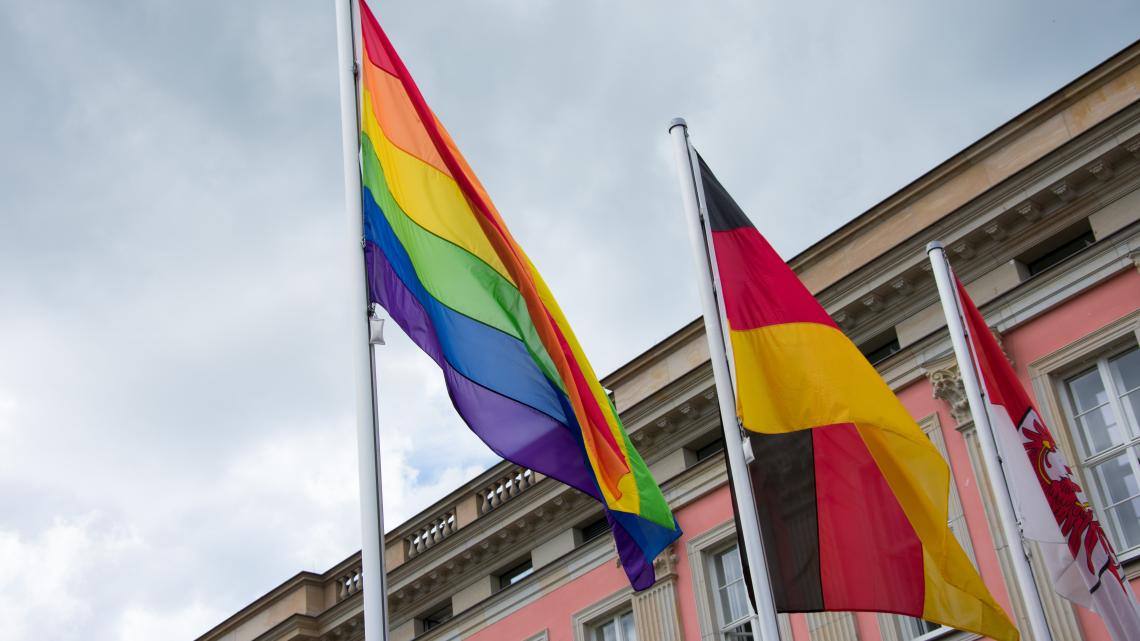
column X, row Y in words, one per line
column 515, row 574
column 595, row 529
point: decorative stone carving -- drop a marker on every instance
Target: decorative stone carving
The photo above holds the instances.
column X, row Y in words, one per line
column 902, row 286
column 873, row 302
column 964, row 250
column 1029, row 210
column 844, row 320
column 1101, row 169
column 946, row 383
column 947, row 386
column 1063, row 190
column 995, row 231
column 665, row 565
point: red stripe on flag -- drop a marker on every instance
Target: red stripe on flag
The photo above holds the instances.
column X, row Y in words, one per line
column 869, row 553
column 758, row 288
column 373, row 46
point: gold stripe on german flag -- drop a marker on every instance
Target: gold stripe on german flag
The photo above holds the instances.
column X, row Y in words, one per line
column 851, row 494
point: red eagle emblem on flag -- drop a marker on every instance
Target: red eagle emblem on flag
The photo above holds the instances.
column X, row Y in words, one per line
column 1082, row 532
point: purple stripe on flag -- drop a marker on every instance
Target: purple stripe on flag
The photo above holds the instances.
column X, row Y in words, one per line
column 514, row 431
column 638, row 568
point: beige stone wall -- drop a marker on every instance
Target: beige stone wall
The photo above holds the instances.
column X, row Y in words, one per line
column 654, row 377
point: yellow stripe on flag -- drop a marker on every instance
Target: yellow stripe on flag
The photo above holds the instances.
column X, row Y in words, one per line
column 797, row 376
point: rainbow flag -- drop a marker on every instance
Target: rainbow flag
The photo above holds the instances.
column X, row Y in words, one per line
column 442, row 262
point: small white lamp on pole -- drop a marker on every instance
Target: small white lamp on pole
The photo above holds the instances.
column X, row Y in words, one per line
column 363, row 337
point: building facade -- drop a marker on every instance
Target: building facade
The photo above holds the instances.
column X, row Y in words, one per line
column 1041, row 219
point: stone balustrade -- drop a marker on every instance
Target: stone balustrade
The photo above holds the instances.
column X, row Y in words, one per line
column 460, row 510
column 349, row 582
column 516, row 481
column 431, row 532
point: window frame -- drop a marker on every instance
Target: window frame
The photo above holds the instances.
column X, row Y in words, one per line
column 616, row 618
column 1085, row 462
column 515, row 574
column 700, row 549
column 585, row 622
column 1048, row 375
column 724, row 627
column 431, row 619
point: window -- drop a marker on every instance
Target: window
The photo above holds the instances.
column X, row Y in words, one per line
column 712, row 555
column 731, row 596
column 709, row 450
column 1103, row 405
column 1057, row 248
column 609, row 619
column 912, row 628
column 881, row 346
column 618, row 628
column 436, row 617
column 515, row 574
column 595, row 529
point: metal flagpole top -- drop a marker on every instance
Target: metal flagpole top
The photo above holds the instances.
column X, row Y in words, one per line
column 934, row 244
column 678, row 122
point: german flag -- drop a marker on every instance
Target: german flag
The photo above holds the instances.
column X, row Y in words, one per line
column 851, row 495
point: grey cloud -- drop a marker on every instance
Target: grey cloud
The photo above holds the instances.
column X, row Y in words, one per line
column 174, row 379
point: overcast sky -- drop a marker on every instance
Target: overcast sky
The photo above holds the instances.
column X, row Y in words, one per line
column 176, row 429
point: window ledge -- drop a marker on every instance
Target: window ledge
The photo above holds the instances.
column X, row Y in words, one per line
column 1130, row 563
column 945, row 632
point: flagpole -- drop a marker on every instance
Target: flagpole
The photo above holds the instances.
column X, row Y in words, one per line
column 375, row 593
column 733, row 444
column 1023, row 574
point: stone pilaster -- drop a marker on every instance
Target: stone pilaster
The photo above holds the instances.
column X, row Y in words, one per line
column 655, row 610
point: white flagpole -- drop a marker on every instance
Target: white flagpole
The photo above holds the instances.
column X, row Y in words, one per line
column 375, row 592
column 1023, row 574
column 696, row 221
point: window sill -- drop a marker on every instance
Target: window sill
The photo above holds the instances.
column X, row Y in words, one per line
column 940, row 633
column 946, row 632
column 1130, row 563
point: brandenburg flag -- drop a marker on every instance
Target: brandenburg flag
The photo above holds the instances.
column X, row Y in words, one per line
column 851, row 494
column 1051, row 506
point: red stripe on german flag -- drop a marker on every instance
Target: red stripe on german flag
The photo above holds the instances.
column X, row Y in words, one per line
column 852, row 496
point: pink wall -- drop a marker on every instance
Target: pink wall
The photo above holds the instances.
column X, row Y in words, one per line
column 553, row 611
column 1074, row 319
column 1064, row 324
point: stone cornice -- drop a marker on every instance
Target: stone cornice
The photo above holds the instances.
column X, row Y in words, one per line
column 1025, row 126
column 287, row 587
column 989, row 231
column 684, row 407
column 1026, row 301
column 655, row 353
column 683, row 489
